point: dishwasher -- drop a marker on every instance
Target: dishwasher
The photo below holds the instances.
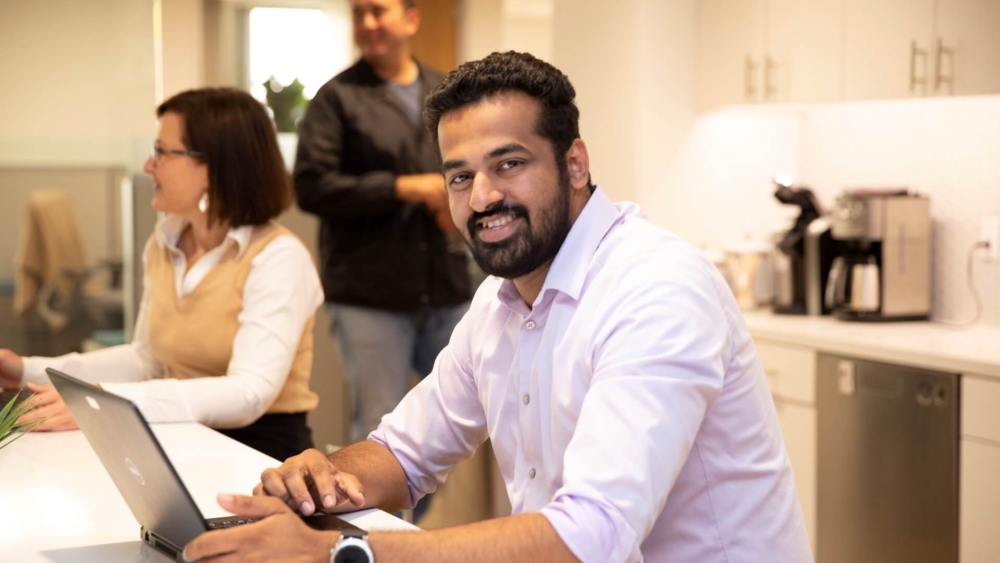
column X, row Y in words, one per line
column 887, row 463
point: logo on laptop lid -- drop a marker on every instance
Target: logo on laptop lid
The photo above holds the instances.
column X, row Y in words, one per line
column 135, row 472
column 93, row 403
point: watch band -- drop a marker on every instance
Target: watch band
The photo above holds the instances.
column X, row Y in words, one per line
column 352, row 548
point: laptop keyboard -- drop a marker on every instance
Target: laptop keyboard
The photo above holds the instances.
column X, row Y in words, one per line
column 222, row 523
column 7, row 395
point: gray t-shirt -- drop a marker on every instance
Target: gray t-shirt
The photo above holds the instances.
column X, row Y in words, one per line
column 409, row 98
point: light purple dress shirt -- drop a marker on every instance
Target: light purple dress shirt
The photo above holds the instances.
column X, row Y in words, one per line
column 627, row 405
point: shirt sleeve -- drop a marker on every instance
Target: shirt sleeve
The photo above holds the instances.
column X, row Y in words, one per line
column 321, row 184
column 658, row 360
column 439, row 423
column 281, row 294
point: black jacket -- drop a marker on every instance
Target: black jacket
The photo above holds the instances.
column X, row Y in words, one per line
column 375, row 250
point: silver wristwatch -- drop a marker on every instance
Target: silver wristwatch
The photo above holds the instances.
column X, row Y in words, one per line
column 352, row 548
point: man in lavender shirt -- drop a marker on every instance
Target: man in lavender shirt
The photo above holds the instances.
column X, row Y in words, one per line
column 604, row 358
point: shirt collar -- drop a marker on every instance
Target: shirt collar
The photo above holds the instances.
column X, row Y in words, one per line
column 572, row 262
column 169, row 230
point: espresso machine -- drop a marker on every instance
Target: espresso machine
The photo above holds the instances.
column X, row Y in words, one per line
column 803, row 254
column 883, row 270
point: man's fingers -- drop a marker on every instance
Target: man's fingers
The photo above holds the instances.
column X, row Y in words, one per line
column 323, row 475
column 273, row 484
column 295, row 481
column 213, row 544
column 350, row 488
column 252, row 507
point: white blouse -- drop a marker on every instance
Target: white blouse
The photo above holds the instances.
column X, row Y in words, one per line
column 281, row 294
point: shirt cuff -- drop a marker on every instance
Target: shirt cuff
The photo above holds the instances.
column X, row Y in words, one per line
column 130, row 391
column 592, row 533
column 34, row 371
column 379, row 437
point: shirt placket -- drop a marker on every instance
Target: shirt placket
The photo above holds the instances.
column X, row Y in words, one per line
column 531, row 331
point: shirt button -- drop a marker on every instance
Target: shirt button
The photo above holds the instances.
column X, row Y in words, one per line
column 526, row 398
column 530, row 325
column 531, row 473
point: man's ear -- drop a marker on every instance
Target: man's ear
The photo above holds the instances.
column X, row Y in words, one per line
column 578, row 162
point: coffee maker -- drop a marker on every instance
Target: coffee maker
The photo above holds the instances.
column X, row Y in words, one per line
column 803, row 254
column 883, row 270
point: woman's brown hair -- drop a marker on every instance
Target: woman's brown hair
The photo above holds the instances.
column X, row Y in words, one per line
column 236, row 139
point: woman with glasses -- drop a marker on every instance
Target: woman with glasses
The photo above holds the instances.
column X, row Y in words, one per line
column 224, row 333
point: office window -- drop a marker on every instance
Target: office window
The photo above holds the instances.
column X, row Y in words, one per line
column 292, row 52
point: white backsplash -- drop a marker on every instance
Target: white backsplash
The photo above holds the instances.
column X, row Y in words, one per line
column 717, row 188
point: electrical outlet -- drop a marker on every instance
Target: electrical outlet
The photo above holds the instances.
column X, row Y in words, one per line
column 991, row 234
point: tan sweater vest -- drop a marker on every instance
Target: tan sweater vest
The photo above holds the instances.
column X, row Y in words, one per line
column 193, row 337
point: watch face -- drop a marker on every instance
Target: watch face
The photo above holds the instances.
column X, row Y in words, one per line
column 351, row 554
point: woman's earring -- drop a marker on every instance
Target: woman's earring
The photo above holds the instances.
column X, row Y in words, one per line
column 203, row 203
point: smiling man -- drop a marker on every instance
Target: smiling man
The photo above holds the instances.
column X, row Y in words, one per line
column 605, row 359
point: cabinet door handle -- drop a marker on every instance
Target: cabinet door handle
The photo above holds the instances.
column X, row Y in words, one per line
column 939, row 76
column 749, row 90
column 916, row 52
column 769, row 65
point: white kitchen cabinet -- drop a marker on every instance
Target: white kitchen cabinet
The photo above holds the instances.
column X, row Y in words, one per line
column 808, row 51
column 887, row 48
column 798, row 427
column 804, row 51
column 914, row 48
column 966, row 47
column 751, row 51
column 979, row 502
column 979, row 459
column 729, row 49
column 791, row 376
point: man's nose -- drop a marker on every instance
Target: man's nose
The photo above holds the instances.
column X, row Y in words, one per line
column 484, row 193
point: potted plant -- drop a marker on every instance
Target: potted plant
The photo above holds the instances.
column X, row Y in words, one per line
column 10, row 428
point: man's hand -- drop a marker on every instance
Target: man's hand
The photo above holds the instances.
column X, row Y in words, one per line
column 11, row 370
column 310, row 480
column 47, row 403
column 279, row 535
column 427, row 189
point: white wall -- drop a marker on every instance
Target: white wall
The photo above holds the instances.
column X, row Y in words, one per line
column 480, row 28
column 485, row 26
column 78, row 82
column 183, row 27
column 596, row 46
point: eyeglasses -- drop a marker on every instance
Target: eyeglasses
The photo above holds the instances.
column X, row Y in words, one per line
column 159, row 152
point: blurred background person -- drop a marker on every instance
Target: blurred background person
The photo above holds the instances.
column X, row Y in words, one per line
column 394, row 270
column 224, row 330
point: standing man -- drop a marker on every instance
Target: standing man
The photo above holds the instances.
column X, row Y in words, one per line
column 394, row 269
column 605, row 358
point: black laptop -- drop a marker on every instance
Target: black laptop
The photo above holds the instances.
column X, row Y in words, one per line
column 148, row 482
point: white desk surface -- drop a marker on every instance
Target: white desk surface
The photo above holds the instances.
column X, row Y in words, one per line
column 58, row 504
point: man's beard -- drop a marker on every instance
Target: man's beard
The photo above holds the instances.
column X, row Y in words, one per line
column 527, row 249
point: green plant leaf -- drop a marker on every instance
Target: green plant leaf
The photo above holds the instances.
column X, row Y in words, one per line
column 9, row 425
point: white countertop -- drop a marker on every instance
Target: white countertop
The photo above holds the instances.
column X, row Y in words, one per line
column 58, row 504
column 918, row 344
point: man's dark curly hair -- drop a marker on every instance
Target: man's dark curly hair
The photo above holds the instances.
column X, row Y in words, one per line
column 559, row 119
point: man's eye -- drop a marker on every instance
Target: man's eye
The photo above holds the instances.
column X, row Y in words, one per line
column 458, row 179
column 509, row 164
